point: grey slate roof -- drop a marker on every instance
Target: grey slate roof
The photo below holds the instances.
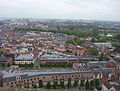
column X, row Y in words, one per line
column 26, row 57
column 3, row 59
column 8, row 76
column 57, row 57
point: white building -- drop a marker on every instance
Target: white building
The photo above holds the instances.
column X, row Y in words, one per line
column 104, row 44
column 24, row 59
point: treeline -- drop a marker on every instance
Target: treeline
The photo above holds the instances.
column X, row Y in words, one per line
column 75, row 41
column 77, row 33
column 88, row 85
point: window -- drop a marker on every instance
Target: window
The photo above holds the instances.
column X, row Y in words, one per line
column 43, row 77
column 18, row 77
column 17, row 85
column 7, row 83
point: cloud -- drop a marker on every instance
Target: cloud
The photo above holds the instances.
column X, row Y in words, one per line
column 68, row 9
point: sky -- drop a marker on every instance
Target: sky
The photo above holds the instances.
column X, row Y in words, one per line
column 61, row 9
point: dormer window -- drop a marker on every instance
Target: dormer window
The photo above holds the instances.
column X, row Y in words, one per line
column 18, row 78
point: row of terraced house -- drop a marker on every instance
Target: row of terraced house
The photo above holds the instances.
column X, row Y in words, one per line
column 20, row 79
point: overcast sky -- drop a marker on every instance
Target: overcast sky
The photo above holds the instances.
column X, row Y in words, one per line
column 61, row 9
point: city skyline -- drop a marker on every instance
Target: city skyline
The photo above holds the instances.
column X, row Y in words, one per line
column 61, row 9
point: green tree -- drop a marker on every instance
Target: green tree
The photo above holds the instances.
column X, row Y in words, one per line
column 91, row 83
column 71, row 41
column 79, row 42
column 93, row 51
column 102, row 57
column 27, row 86
column 34, row 86
column 48, row 85
column 62, row 84
column 55, row 84
column 69, row 84
column 8, row 65
column 93, row 40
column 97, row 82
column 1, row 53
column 75, row 84
column 41, row 84
column 52, row 47
column 117, row 37
column 117, row 49
column 95, row 33
column 82, row 84
column 3, row 64
column 87, row 84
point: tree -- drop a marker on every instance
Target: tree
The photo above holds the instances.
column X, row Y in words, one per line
column 93, row 51
column 8, row 65
column 52, row 47
column 75, row 83
column 27, row 86
column 69, row 84
column 48, row 85
column 1, row 53
column 102, row 57
column 62, row 84
column 91, row 83
column 117, row 37
column 3, row 64
column 55, row 84
column 79, row 42
column 93, row 40
column 82, row 84
column 97, row 82
column 71, row 41
column 95, row 33
column 34, row 86
column 87, row 84
column 41, row 84
column 117, row 49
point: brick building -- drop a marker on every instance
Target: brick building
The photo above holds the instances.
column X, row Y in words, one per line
column 13, row 79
